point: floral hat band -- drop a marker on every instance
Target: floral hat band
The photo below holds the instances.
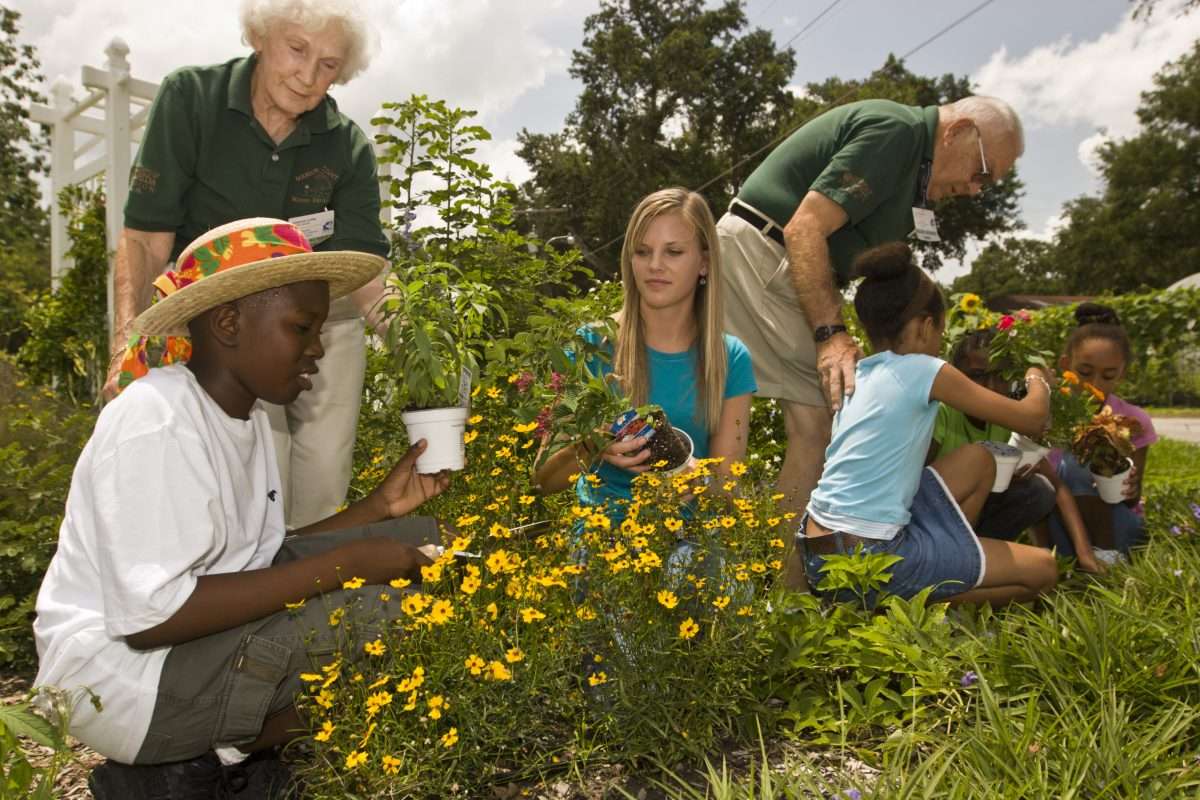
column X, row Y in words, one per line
column 230, row 252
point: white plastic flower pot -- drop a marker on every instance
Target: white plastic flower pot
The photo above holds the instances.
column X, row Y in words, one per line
column 691, row 448
column 442, row 429
column 1031, row 451
column 1111, row 487
column 1007, row 458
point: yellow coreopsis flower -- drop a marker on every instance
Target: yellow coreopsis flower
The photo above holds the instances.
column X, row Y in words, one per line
column 492, row 611
column 335, row 616
column 294, row 606
column 737, row 468
column 531, row 615
column 667, row 599
column 309, row 677
column 414, row 604
column 598, row 679
column 688, row 628
column 672, row 524
column 431, row 573
column 728, row 522
column 514, row 655
column 391, row 765
column 494, row 393
column 437, row 704
column 375, row 648
column 450, row 738
column 327, row 729
column 498, row 531
column 442, row 612
column 776, row 543
column 355, row 759
column 475, row 664
column 474, row 419
column 470, row 585
column 353, row 583
column 499, row 672
column 528, row 427
column 324, row 699
column 470, row 436
column 721, row 602
column 399, row 583
column 527, row 499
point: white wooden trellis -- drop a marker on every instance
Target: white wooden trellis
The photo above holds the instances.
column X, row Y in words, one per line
column 102, row 129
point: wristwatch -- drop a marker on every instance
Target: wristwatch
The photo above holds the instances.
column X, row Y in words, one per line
column 823, row 332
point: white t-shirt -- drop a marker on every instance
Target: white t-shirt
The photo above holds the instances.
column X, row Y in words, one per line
column 169, row 488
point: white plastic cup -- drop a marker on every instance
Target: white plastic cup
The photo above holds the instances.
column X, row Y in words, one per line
column 442, row 429
column 1112, row 487
column 1007, row 458
column 1031, row 451
column 691, row 447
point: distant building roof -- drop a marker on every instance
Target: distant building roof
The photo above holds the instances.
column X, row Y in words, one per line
column 1015, row 302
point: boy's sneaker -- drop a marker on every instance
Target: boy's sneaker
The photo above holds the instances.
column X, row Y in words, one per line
column 194, row 779
column 261, row 777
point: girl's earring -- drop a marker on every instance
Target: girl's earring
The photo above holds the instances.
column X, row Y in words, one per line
column 703, row 280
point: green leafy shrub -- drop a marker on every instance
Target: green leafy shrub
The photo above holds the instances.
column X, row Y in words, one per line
column 41, row 437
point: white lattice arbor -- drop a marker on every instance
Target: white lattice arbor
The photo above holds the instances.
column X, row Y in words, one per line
column 92, row 137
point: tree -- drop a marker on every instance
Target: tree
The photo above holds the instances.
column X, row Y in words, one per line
column 1141, row 231
column 1011, row 266
column 24, row 230
column 992, row 212
column 674, row 93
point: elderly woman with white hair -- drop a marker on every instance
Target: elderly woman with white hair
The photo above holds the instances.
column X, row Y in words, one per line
column 259, row 136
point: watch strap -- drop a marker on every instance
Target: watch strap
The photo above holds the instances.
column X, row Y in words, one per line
column 824, row 332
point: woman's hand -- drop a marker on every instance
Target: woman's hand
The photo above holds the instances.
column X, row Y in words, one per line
column 629, row 453
column 404, row 488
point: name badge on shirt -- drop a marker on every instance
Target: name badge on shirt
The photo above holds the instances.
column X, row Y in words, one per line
column 316, row 227
column 925, row 225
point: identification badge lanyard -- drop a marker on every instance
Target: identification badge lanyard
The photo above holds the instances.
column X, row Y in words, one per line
column 924, row 221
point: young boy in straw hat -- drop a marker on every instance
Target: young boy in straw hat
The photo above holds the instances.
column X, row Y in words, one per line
column 166, row 597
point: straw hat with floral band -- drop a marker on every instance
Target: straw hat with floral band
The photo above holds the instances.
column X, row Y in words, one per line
column 227, row 263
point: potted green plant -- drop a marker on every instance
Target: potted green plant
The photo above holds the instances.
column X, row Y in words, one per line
column 435, row 329
column 1105, row 447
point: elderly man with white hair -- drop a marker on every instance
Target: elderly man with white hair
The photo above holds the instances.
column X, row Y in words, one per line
column 259, row 136
column 856, row 176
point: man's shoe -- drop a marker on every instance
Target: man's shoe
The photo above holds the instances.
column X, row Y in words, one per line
column 262, row 776
column 194, row 779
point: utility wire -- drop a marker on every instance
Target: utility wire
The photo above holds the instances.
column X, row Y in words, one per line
column 820, row 109
column 812, row 22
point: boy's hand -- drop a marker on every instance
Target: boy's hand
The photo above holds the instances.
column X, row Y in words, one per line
column 381, row 559
column 404, row 488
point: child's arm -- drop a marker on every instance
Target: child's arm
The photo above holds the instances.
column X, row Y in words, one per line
column 1071, row 518
column 220, row 602
column 1027, row 416
column 1133, row 486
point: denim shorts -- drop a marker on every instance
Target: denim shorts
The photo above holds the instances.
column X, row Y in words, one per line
column 938, row 548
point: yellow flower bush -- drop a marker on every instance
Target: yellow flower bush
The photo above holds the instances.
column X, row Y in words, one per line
column 638, row 618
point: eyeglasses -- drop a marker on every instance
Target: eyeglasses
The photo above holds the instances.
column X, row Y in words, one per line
column 984, row 176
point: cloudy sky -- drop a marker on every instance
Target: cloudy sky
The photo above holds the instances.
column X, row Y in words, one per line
column 1073, row 69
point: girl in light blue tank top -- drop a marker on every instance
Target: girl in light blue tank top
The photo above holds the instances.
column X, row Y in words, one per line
column 875, row 492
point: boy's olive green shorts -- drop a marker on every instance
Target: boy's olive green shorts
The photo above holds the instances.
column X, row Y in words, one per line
column 216, row 691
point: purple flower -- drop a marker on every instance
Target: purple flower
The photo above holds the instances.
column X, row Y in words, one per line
column 848, row 794
column 1195, row 510
column 1176, row 530
column 969, row 678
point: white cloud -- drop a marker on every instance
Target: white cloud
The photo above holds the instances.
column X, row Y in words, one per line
column 1096, row 82
column 476, row 54
column 1087, row 151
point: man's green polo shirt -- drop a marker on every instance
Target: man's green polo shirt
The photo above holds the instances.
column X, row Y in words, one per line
column 864, row 156
column 204, row 161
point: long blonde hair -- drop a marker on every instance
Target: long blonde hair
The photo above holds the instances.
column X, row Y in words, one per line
column 629, row 358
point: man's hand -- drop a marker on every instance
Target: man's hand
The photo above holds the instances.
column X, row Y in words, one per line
column 836, row 358
column 380, row 559
column 404, row 488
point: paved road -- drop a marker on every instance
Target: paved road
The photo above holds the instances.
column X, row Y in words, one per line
column 1185, row 429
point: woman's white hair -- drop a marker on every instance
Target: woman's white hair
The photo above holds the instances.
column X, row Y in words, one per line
column 259, row 17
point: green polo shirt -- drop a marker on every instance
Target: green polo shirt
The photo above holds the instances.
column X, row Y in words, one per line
column 205, row 160
column 952, row 430
column 864, row 156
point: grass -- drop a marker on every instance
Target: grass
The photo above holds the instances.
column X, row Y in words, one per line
column 1094, row 694
column 1173, row 411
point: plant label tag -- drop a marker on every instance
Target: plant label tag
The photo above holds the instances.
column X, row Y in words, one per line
column 925, row 225
column 464, row 388
column 630, row 425
column 316, row 227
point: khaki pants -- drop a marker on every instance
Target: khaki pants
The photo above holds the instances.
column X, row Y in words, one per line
column 314, row 435
column 761, row 309
column 218, row 690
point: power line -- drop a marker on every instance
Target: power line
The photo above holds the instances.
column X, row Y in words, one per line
column 763, row 10
column 812, row 22
column 819, row 110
